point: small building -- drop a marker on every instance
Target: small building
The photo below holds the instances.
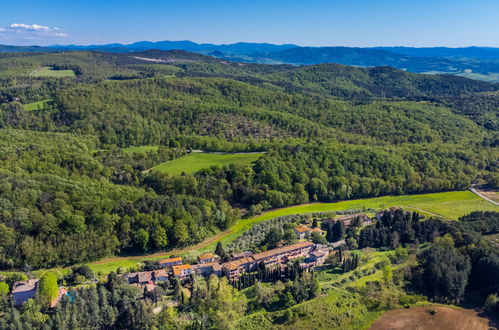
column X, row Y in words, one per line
column 302, row 232
column 148, row 277
column 140, row 277
column 208, row 257
column 170, row 262
column 348, row 219
column 24, row 290
column 207, row 269
column 182, row 271
column 160, row 275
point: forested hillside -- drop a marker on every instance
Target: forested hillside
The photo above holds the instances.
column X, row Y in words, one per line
column 71, row 193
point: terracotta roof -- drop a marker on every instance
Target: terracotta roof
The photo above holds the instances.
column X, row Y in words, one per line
column 207, row 256
column 235, row 264
column 301, row 229
column 317, row 230
column 23, row 286
column 169, row 260
column 177, row 270
column 160, row 273
column 282, row 250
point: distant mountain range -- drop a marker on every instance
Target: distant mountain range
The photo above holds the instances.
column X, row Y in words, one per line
column 472, row 62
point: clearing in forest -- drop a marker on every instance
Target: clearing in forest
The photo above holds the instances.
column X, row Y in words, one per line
column 47, row 71
column 38, row 105
column 194, row 162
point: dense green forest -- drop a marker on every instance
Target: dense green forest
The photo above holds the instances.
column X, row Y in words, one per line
column 70, row 193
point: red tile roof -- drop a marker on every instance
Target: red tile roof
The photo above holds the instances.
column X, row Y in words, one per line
column 170, row 260
column 301, row 229
column 177, row 270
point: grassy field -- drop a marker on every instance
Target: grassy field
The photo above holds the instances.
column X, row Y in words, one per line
column 194, row 162
column 50, row 72
column 39, row 105
column 140, row 149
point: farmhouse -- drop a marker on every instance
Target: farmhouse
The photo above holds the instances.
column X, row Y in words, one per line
column 207, row 257
column 148, row 277
column 182, row 271
column 207, row 268
column 24, row 290
column 170, row 262
column 302, row 232
column 348, row 219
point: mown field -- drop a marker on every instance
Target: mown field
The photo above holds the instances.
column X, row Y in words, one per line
column 39, row 105
column 194, row 162
column 50, row 72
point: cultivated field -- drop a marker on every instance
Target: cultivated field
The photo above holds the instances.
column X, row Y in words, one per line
column 194, row 162
column 50, row 72
column 431, row 318
column 39, row 105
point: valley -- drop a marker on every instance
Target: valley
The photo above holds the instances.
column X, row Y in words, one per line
column 113, row 162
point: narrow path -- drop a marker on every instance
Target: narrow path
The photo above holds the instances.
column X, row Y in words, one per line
column 473, row 190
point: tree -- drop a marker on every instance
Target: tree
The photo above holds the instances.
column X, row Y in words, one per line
column 445, row 271
column 318, row 238
column 338, row 232
column 180, row 232
column 220, row 251
column 314, row 223
column 387, row 274
column 273, row 237
column 47, row 289
column 159, row 237
column 142, row 239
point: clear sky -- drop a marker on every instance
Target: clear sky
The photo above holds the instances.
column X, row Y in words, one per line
column 453, row 23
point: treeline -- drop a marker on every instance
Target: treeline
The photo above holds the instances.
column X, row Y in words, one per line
column 303, row 173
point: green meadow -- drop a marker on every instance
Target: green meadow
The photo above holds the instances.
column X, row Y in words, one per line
column 194, row 162
column 51, row 73
column 39, row 105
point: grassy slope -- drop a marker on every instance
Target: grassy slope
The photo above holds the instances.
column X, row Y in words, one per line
column 197, row 161
column 39, row 105
column 49, row 72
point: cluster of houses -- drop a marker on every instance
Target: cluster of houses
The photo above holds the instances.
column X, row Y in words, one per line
column 240, row 262
column 209, row 263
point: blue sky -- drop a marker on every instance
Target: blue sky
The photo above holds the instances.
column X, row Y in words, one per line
column 453, row 23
